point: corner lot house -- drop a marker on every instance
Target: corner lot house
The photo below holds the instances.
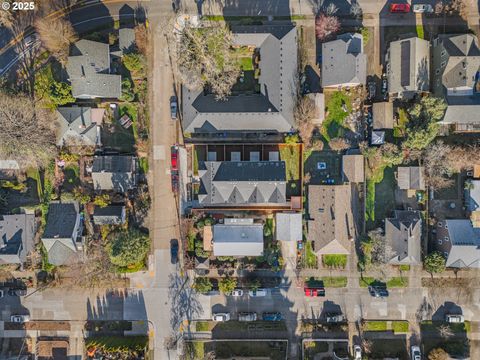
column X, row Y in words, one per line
column 343, row 62
column 403, row 235
column 79, row 126
column 459, row 241
column 408, row 67
column 456, row 62
column 242, row 183
column 17, row 234
column 88, row 70
column 114, row 172
column 332, row 226
column 238, row 237
column 62, row 235
column 264, row 100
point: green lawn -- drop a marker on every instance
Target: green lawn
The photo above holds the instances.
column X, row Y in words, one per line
column 335, row 261
column 131, row 110
column 375, row 326
column 245, row 63
column 310, row 257
column 394, row 282
column 399, row 130
column 404, row 268
column 400, row 326
column 202, row 326
column 420, row 32
column 195, row 349
column 333, row 125
column 291, row 155
column 143, row 164
column 335, row 281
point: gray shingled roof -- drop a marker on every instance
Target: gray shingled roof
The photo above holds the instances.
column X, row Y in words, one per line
column 465, row 240
column 75, row 123
column 343, row 61
column 109, row 215
column 332, row 224
column 114, row 172
column 408, row 68
column 410, row 178
column 238, row 240
column 126, row 39
column 242, row 183
column 272, row 108
column 88, row 70
column 403, row 234
column 17, row 234
column 289, row 226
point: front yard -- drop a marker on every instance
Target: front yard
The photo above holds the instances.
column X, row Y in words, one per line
column 394, row 282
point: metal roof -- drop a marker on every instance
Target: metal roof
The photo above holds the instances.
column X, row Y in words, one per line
column 238, row 240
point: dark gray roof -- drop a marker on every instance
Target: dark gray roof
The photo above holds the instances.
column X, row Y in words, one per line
column 17, row 234
column 403, row 233
column 88, row 70
column 62, row 220
column 408, row 67
column 272, row 108
column 343, row 61
column 114, row 172
column 76, row 123
column 109, row 215
column 242, row 183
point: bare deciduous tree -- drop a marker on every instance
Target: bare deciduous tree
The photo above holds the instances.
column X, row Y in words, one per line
column 438, row 354
column 26, row 132
column 141, row 38
column 437, row 167
column 339, row 144
column 445, row 331
column 304, row 114
column 56, row 34
column 326, row 26
column 367, row 346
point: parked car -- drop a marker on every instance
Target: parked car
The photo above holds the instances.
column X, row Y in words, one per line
column 385, row 87
column 173, row 107
column 450, row 318
column 399, row 8
column 237, row 292
column 221, row 317
column 314, row 292
column 423, row 8
column 247, row 316
column 372, row 89
column 175, row 181
column 272, row 316
column 257, row 293
column 2, row 293
column 378, row 291
column 415, row 353
column 174, row 158
column 173, row 251
column 19, row 318
column 357, row 352
column 333, row 318
column 17, row 292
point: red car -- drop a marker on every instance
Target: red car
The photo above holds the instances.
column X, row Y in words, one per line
column 399, row 8
column 314, row 292
column 174, row 158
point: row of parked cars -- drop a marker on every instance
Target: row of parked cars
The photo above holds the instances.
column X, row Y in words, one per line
column 251, row 293
column 405, row 8
column 247, row 316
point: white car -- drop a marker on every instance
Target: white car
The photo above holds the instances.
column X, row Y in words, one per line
column 422, row 8
column 415, row 353
column 220, row 317
column 237, row 292
column 2, row 293
column 357, row 352
column 19, row 318
column 454, row 318
column 257, row 293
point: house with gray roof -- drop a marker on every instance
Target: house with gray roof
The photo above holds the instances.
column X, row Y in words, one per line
column 79, row 126
column 242, row 183
column 459, row 241
column 88, row 70
column 267, row 108
column 333, row 223
column 62, row 234
column 408, row 67
column 455, row 67
column 109, row 215
column 344, row 62
column 241, row 237
column 114, row 172
column 17, row 233
column 289, row 226
column 403, row 237
column 410, row 178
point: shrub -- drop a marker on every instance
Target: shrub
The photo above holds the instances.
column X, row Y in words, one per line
column 128, row 247
column 227, row 285
column 202, row 285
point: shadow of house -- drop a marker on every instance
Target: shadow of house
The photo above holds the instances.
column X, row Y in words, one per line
column 127, row 17
column 256, row 8
column 329, row 307
column 448, row 308
column 82, row 22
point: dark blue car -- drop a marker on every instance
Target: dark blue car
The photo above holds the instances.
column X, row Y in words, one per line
column 272, row 316
column 174, row 251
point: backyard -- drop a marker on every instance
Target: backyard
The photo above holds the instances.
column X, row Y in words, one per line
column 292, row 155
column 380, row 198
column 338, row 106
column 324, row 167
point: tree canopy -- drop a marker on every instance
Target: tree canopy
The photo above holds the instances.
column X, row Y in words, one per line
column 227, row 285
column 56, row 34
column 202, row 285
column 128, row 247
column 434, row 263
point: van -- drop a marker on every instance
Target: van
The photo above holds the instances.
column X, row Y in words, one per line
column 247, row 316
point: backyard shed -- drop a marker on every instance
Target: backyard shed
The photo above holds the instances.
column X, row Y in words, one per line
column 288, row 226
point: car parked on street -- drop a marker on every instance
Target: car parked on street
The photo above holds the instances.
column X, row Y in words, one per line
column 415, row 353
column 174, row 157
column 272, row 316
column 19, row 318
column 357, row 352
column 423, row 8
column 173, row 107
column 257, row 293
column 220, row 317
column 237, row 293
column 247, row 316
column 173, row 251
column 2, row 293
column 372, row 89
column 334, row 318
column 378, row 291
column 314, row 292
column 385, row 87
column 454, row 318
column 17, row 292
column 399, row 8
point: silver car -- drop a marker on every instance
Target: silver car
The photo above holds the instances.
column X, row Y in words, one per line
column 247, row 316
column 220, row 317
column 423, row 8
column 20, row 318
column 236, row 293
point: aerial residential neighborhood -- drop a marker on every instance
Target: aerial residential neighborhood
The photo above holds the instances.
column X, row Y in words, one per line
column 272, row 179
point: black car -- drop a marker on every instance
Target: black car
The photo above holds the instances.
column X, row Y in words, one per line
column 173, row 107
column 372, row 89
column 17, row 292
column 378, row 291
column 174, row 251
column 385, row 87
